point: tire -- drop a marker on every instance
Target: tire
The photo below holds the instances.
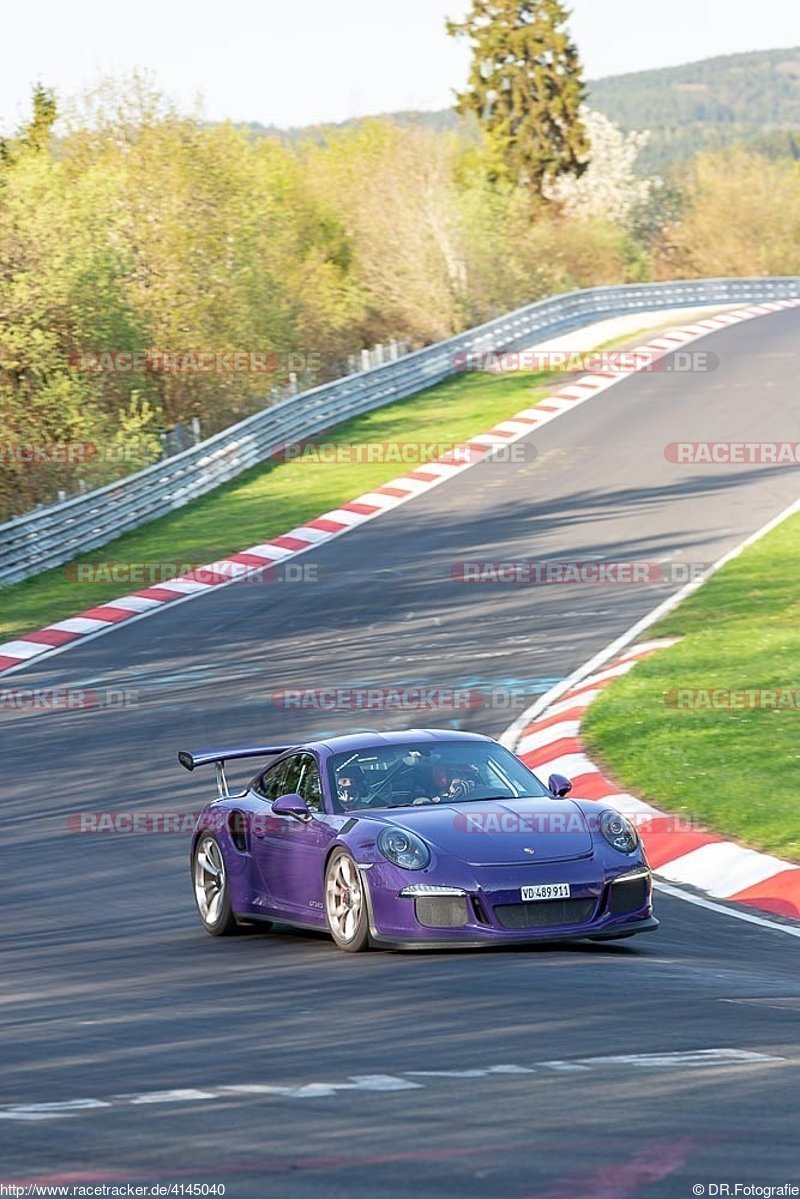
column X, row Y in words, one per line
column 211, row 890
column 346, row 903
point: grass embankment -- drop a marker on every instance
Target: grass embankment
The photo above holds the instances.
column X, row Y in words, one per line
column 735, row 769
column 272, row 498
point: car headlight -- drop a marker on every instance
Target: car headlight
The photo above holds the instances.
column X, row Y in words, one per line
column 404, row 849
column 619, row 832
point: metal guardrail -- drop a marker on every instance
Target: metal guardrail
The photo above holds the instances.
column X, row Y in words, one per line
column 52, row 536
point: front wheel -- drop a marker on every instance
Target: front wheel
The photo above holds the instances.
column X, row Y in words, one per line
column 211, row 890
column 346, row 904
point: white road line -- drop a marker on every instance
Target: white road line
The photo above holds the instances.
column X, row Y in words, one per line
column 447, row 1073
column 565, row 1067
column 478, row 1072
column 257, row 1088
column 699, row 902
column 694, row 1057
column 50, row 1111
column 33, row 1114
column 180, row 1096
column 388, row 1082
column 383, row 1082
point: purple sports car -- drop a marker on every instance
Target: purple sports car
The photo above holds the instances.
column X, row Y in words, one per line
column 427, row 838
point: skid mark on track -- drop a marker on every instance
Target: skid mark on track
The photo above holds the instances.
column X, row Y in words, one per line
column 651, row 1163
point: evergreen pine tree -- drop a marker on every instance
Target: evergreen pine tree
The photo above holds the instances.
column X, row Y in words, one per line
column 525, row 87
column 37, row 132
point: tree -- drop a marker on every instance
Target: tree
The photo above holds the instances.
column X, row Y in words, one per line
column 609, row 188
column 741, row 216
column 407, row 253
column 36, row 133
column 525, row 87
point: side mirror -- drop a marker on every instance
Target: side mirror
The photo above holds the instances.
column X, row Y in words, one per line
column 559, row 785
column 292, row 805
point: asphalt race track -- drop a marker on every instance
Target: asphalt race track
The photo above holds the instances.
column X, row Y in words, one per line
column 292, row 1069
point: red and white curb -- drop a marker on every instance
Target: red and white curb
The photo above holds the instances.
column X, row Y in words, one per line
column 54, row 638
column 551, row 744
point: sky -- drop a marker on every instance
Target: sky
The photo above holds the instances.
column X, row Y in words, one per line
column 295, row 62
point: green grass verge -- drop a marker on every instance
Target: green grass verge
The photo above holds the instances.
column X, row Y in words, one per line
column 270, row 499
column 738, row 771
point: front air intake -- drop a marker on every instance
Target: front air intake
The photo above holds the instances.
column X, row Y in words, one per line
column 629, row 896
column 441, row 911
column 545, row 913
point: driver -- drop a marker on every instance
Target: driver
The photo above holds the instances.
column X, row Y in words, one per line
column 459, row 781
column 351, row 787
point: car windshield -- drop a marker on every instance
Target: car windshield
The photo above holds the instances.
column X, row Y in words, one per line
column 398, row 776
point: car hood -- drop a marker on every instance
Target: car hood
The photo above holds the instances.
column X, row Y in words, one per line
column 502, row 832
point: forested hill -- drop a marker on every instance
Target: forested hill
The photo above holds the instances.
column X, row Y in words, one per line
column 751, row 97
column 754, row 98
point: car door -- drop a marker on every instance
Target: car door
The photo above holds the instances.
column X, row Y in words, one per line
column 268, row 787
column 289, row 853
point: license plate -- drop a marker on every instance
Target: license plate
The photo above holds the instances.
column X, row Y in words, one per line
column 546, row 891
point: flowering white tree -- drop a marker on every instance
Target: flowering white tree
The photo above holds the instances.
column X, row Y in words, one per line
column 609, row 187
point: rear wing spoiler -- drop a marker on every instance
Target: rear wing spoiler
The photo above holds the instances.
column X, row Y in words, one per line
column 189, row 759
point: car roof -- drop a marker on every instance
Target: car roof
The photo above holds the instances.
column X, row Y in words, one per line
column 371, row 740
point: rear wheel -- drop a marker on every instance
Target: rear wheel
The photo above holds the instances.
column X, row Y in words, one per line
column 211, row 890
column 345, row 903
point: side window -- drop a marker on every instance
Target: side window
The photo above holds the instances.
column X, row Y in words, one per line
column 309, row 785
column 270, row 785
column 292, row 770
column 297, row 775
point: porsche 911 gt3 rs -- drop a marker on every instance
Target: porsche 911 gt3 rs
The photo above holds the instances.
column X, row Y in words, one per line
column 425, row 838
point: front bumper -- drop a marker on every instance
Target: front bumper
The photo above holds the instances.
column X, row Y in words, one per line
column 479, row 912
column 630, row 928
